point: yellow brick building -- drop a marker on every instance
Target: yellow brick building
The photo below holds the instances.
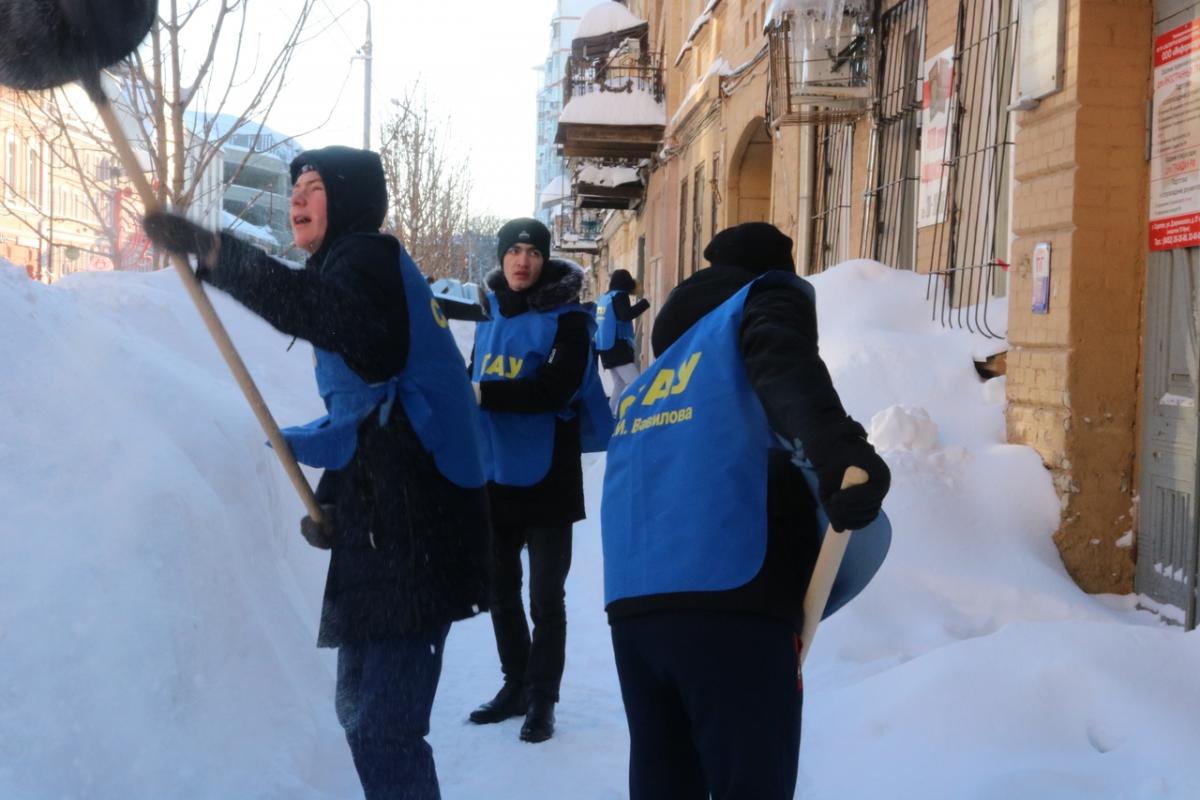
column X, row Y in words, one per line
column 1012, row 160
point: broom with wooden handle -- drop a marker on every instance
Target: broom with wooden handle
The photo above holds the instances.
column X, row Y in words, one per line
column 49, row 44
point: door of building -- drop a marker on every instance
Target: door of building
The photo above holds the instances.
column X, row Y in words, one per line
column 1167, row 525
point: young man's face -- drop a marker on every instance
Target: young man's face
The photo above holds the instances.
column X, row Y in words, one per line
column 309, row 218
column 522, row 266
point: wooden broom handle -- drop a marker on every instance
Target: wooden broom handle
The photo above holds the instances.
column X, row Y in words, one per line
column 209, row 314
column 833, row 548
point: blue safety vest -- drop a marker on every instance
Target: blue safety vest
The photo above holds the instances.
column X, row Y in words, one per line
column 432, row 389
column 609, row 329
column 685, row 488
column 513, row 348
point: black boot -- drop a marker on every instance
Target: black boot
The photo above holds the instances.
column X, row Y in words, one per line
column 539, row 722
column 511, row 701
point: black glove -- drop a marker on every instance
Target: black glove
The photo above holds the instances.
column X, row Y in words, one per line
column 855, row 507
column 181, row 236
column 319, row 535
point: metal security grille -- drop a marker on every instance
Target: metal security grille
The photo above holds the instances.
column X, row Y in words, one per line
column 890, row 220
column 680, row 265
column 970, row 248
column 697, row 218
column 831, row 193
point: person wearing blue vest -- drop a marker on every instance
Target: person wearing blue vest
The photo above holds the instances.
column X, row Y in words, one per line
column 710, row 533
column 403, row 489
column 541, row 395
column 614, row 331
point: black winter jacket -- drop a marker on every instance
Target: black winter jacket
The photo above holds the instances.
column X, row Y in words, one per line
column 622, row 352
column 427, row 566
column 778, row 341
column 558, row 498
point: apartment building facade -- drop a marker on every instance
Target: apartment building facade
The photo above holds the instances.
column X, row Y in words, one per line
column 1035, row 159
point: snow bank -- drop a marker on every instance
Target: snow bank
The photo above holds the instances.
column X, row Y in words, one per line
column 158, row 607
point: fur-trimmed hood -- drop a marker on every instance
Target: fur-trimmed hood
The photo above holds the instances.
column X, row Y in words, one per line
column 561, row 282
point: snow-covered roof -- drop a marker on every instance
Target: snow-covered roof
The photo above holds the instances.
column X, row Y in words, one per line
column 605, row 18
column 614, row 108
column 606, row 176
column 554, row 191
column 240, row 226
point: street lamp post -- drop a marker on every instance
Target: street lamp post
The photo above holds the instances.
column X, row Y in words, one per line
column 365, row 54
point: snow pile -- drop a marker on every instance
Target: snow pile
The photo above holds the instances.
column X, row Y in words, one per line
column 605, row 18
column 902, row 428
column 635, row 107
column 554, row 191
column 594, row 175
column 158, row 607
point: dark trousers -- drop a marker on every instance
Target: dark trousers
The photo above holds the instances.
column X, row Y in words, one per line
column 713, row 702
column 538, row 660
column 384, row 695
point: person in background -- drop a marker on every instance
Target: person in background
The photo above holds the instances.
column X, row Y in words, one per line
column 705, row 595
column 614, row 332
column 405, row 508
column 543, row 405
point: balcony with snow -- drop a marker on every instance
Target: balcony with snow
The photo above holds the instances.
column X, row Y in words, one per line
column 600, row 185
column 579, row 232
column 613, row 92
column 820, row 60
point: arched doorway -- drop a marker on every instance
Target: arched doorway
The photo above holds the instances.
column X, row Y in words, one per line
column 750, row 176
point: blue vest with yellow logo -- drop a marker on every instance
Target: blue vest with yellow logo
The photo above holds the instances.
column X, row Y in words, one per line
column 432, row 389
column 609, row 329
column 685, row 487
column 512, row 348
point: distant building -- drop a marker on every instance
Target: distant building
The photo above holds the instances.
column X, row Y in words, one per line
column 255, row 200
column 550, row 169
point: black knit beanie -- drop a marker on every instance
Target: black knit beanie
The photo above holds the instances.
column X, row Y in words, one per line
column 753, row 246
column 621, row 281
column 522, row 230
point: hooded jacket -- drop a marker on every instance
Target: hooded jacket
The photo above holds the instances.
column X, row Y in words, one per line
column 778, row 342
column 558, row 498
column 410, row 548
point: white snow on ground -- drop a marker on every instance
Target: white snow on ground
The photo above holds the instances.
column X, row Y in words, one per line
column 158, row 607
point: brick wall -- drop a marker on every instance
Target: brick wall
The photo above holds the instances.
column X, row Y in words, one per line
column 1081, row 185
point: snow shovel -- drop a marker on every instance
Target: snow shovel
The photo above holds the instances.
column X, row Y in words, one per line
column 49, row 43
column 831, row 575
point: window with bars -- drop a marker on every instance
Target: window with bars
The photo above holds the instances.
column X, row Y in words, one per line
column 890, row 218
column 697, row 217
column 970, row 248
column 683, row 227
column 715, row 201
column 831, row 192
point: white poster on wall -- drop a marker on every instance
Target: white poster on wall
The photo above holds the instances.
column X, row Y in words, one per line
column 1175, row 145
column 938, row 89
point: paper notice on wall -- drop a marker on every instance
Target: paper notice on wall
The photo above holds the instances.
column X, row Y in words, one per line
column 938, row 90
column 1175, row 144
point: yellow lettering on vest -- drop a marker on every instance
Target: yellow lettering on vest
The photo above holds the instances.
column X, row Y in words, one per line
column 625, row 404
column 685, row 373
column 514, row 366
column 660, row 388
column 496, row 367
column 438, row 316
